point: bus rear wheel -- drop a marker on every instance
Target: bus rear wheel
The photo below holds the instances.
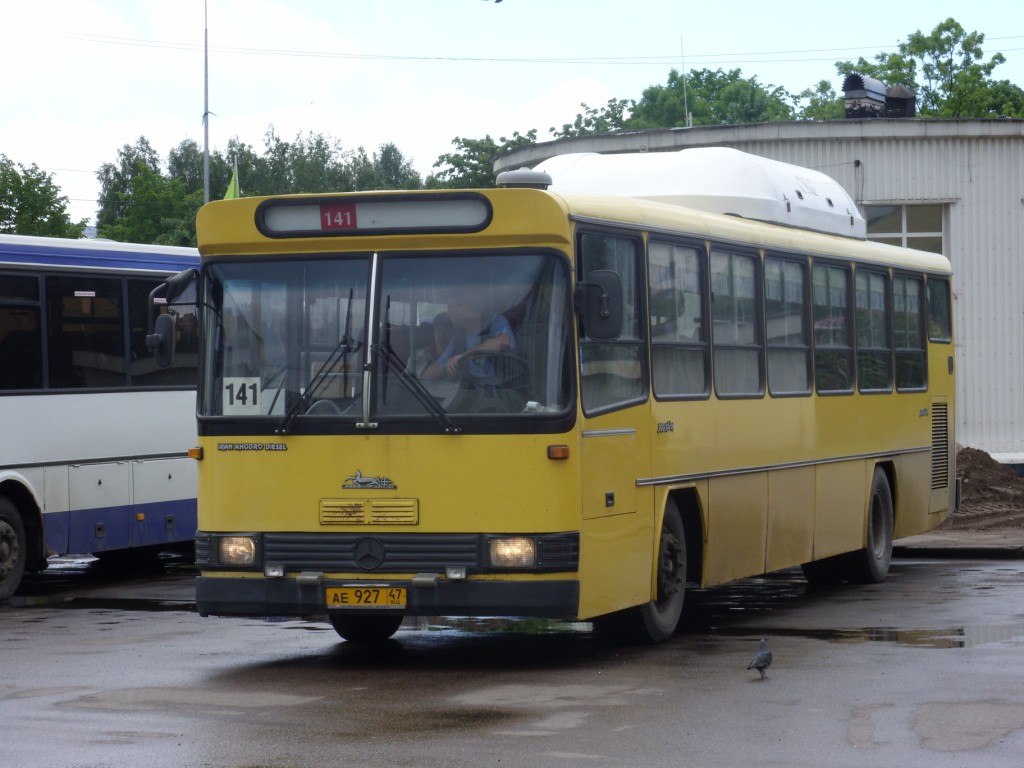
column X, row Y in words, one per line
column 364, row 629
column 656, row 621
column 12, row 548
column 871, row 564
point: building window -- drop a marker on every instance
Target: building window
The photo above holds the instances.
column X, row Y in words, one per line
column 908, row 226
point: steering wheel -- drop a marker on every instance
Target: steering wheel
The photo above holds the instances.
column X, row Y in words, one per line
column 506, row 370
column 324, row 408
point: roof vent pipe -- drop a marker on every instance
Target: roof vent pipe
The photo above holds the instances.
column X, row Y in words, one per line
column 524, row 178
column 865, row 96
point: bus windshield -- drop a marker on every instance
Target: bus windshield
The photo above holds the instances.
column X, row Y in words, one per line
column 432, row 338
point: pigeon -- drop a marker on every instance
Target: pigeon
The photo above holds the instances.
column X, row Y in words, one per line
column 762, row 659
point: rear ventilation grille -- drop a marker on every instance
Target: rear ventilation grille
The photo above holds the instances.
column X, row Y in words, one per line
column 940, row 445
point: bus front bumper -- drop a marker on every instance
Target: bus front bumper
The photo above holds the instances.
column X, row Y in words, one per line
column 552, row 598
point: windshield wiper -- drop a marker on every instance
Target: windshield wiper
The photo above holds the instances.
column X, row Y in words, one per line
column 411, row 382
column 340, row 354
column 393, row 362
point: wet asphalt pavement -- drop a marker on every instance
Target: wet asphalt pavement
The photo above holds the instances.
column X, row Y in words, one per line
column 102, row 668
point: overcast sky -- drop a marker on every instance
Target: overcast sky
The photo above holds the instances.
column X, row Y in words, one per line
column 82, row 78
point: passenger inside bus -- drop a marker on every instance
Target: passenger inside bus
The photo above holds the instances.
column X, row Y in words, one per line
column 442, row 332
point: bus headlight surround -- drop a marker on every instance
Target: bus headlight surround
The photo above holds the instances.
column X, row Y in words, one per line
column 237, row 550
column 513, row 552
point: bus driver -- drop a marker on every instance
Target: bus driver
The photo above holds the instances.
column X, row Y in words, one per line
column 472, row 334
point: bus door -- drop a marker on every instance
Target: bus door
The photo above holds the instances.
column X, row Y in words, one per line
column 616, row 552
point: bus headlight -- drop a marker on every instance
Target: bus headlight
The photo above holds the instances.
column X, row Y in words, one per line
column 513, row 552
column 237, row 550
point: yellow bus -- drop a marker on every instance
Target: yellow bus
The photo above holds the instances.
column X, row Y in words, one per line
column 529, row 402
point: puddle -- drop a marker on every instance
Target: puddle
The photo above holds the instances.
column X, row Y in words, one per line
column 954, row 637
column 495, row 625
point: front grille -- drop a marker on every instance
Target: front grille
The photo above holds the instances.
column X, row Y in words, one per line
column 398, row 552
column 393, row 552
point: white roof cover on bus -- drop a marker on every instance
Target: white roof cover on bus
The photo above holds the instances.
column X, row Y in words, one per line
column 714, row 179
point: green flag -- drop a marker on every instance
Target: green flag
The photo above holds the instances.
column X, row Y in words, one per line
column 233, row 191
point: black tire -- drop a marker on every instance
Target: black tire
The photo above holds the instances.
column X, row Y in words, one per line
column 363, row 628
column 871, row 564
column 13, row 548
column 656, row 621
column 823, row 573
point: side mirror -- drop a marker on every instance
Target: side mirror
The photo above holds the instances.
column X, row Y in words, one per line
column 161, row 341
column 178, row 284
column 599, row 301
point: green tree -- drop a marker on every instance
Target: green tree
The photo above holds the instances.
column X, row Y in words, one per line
column 155, row 209
column 141, row 204
column 387, row 168
column 116, row 179
column 610, row 118
column 471, row 165
column 819, row 103
column 185, row 162
column 946, row 70
column 396, row 171
column 31, row 204
column 712, row 97
column 1005, row 100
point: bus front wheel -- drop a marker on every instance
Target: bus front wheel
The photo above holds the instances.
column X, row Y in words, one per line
column 364, row 629
column 12, row 548
column 656, row 621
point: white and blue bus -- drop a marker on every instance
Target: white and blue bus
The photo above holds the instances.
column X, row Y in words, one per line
column 95, row 435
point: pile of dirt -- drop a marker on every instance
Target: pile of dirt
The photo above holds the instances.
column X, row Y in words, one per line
column 993, row 494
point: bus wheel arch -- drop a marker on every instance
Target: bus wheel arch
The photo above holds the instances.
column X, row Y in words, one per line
column 687, row 502
column 656, row 620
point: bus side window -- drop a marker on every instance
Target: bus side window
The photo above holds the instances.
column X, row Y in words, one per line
column 833, row 340
column 940, row 313
column 736, row 333
column 21, row 341
column 789, row 347
column 679, row 349
column 874, row 348
column 908, row 330
column 612, row 373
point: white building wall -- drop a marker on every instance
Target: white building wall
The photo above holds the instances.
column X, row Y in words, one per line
column 975, row 168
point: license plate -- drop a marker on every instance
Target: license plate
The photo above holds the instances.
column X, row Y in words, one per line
column 366, row 597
